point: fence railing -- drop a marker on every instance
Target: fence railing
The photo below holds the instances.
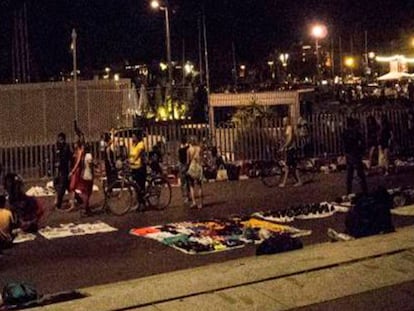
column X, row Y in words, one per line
column 243, row 142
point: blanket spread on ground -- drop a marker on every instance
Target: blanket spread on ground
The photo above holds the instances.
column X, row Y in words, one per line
column 66, row 230
column 205, row 237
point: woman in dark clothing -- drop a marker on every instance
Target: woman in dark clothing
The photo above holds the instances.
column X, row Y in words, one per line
column 372, row 138
column 384, row 141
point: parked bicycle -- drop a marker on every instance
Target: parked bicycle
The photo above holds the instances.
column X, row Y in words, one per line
column 271, row 171
column 122, row 195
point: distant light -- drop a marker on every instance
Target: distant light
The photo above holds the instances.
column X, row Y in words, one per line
column 107, row 69
column 155, row 4
column 116, row 77
column 188, row 68
column 371, row 55
column 349, row 62
column 284, row 58
column 270, row 63
column 319, row 31
column 242, row 67
column 400, row 58
column 163, row 66
column 306, row 47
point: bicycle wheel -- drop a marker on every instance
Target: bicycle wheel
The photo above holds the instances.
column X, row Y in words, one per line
column 120, row 197
column 158, row 194
column 307, row 170
column 270, row 175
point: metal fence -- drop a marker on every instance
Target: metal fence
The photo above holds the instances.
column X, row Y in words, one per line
column 45, row 109
column 234, row 142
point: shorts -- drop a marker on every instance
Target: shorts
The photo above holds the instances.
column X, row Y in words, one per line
column 291, row 158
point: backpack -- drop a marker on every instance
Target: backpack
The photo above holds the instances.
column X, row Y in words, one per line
column 19, row 293
column 370, row 215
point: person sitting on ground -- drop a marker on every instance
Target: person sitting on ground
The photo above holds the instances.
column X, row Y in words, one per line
column 29, row 210
column 7, row 224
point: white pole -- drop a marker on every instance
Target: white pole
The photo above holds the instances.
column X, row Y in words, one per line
column 75, row 73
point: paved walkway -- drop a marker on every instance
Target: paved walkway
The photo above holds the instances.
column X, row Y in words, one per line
column 327, row 276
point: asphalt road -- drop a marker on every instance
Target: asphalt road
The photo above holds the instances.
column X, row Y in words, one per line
column 76, row 262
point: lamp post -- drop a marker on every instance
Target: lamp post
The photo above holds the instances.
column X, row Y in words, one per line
column 319, row 32
column 155, row 4
column 75, row 72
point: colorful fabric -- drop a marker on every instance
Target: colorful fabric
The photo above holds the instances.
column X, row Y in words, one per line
column 212, row 236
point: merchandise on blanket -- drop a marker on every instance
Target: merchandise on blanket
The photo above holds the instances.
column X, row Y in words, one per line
column 37, row 191
column 48, row 190
column 65, row 230
column 303, row 211
column 214, row 235
column 278, row 244
column 21, row 236
column 403, row 210
column 274, row 228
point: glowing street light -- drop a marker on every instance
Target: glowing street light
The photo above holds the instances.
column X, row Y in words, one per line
column 284, row 59
column 319, row 32
column 155, row 4
column 349, row 62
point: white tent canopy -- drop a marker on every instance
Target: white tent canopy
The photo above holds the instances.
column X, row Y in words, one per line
column 396, row 76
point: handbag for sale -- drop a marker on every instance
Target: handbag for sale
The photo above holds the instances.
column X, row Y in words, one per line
column 222, row 174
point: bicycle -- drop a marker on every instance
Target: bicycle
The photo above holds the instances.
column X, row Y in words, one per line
column 123, row 194
column 271, row 171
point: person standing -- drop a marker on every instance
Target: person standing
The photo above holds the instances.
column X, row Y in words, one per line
column 183, row 167
column 84, row 186
column 195, row 172
column 354, row 149
column 372, row 138
column 63, row 156
column 289, row 149
column 384, row 142
column 137, row 162
column 75, row 173
column 109, row 160
column 304, row 137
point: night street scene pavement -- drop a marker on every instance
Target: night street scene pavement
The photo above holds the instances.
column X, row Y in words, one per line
column 206, row 155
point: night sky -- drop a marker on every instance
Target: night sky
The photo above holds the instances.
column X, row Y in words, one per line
column 121, row 31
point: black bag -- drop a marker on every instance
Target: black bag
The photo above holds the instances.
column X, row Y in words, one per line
column 370, row 215
column 18, row 293
column 278, row 244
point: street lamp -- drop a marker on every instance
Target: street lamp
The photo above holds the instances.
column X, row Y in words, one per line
column 155, row 4
column 319, row 32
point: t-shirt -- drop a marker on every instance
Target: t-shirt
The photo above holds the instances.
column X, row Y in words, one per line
column 135, row 155
column 63, row 158
column 87, row 173
column 182, row 154
column 353, row 142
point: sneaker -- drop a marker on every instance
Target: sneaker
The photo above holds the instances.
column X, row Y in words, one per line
column 336, row 236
